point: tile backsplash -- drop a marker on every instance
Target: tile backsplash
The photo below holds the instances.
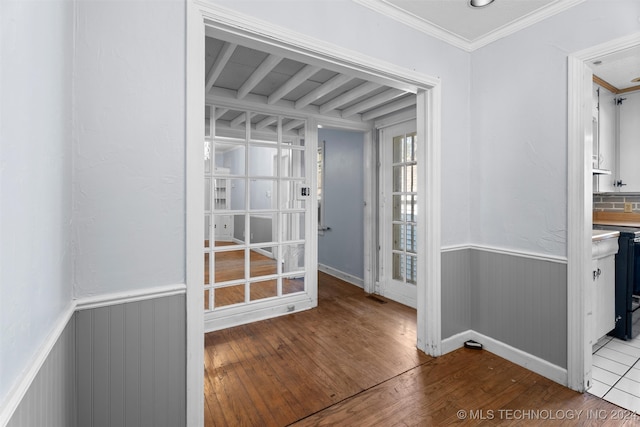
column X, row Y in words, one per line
column 615, row 202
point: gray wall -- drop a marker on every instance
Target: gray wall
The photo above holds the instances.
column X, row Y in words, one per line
column 51, row 399
column 131, row 364
column 342, row 247
column 516, row 300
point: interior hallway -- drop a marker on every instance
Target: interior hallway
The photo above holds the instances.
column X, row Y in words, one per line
column 352, row 361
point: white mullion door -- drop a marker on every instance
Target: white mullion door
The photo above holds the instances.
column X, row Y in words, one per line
column 399, row 219
column 263, row 267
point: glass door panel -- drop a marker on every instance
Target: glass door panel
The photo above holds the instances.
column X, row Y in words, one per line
column 256, row 209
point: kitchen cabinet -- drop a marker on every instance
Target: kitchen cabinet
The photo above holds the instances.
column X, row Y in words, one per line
column 604, row 248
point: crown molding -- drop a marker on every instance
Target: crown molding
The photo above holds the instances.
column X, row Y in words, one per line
column 387, row 9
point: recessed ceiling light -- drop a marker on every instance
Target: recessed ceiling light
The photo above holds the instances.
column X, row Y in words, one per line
column 480, row 3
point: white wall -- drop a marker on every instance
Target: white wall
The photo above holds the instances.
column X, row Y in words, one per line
column 355, row 27
column 129, row 173
column 35, row 178
column 519, row 126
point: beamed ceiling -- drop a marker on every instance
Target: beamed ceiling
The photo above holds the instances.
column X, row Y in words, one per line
column 260, row 79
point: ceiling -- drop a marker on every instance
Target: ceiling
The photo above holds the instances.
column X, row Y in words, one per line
column 236, row 73
column 461, row 25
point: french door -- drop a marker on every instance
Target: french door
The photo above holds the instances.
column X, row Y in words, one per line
column 257, row 248
column 399, row 212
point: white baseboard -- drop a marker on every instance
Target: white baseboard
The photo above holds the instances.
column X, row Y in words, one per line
column 512, row 354
column 349, row 278
column 20, row 388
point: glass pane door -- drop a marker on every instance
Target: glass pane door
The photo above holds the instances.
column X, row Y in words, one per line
column 399, row 180
column 256, row 210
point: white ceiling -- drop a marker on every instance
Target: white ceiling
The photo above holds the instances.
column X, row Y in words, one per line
column 469, row 28
column 618, row 69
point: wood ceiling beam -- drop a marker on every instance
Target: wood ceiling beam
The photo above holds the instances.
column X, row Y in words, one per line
column 372, row 102
column 292, row 125
column 332, row 84
column 389, row 108
column 266, row 122
column 349, row 96
column 238, row 120
column 295, row 81
column 219, row 64
column 260, row 73
column 220, row 112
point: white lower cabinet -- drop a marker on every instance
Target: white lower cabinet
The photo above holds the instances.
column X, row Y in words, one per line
column 603, row 287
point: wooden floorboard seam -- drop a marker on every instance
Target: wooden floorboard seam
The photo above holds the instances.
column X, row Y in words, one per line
column 361, row 392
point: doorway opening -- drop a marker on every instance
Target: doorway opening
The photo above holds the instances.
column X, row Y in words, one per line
column 378, row 89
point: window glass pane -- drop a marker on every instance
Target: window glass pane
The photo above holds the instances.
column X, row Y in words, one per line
column 399, row 207
column 412, row 269
column 207, row 194
column 264, row 128
column 398, row 266
column 398, row 145
column 262, row 228
column 220, row 194
column 236, row 194
column 206, row 299
column 292, row 285
column 231, row 124
column 412, row 208
column 412, row 178
column 232, row 234
column 292, row 258
column 289, row 195
column 398, row 184
column 411, row 241
column 293, row 226
column 229, row 159
column 263, row 261
column 263, row 289
column 206, row 269
column 228, row 265
column 207, row 230
column 293, row 131
column 228, row 295
column 292, row 163
column 262, row 161
column 262, row 194
column 399, row 238
column 410, row 147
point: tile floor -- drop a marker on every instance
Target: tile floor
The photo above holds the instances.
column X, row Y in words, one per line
column 616, row 372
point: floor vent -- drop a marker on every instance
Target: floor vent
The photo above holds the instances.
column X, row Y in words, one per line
column 376, row 299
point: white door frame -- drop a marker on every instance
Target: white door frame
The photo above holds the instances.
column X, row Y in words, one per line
column 580, row 205
column 203, row 15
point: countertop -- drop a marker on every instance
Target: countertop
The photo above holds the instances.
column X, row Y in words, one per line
column 599, row 235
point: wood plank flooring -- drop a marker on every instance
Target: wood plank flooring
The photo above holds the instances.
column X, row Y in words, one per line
column 352, row 362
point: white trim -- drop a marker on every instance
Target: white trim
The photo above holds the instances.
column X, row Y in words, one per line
column 513, row 252
column 512, row 354
column 349, row 278
column 124, row 297
column 20, row 387
column 429, row 302
column 194, row 206
column 456, row 40
column 227, row 318
column 395, row 119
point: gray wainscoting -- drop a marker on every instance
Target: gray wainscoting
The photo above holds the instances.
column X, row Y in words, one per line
column 51, row 398
column 522, row 302
column 131, row 364
column 456, row 292
column 517, row 300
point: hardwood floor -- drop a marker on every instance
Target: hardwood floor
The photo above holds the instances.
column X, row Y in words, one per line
column 352, row 361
